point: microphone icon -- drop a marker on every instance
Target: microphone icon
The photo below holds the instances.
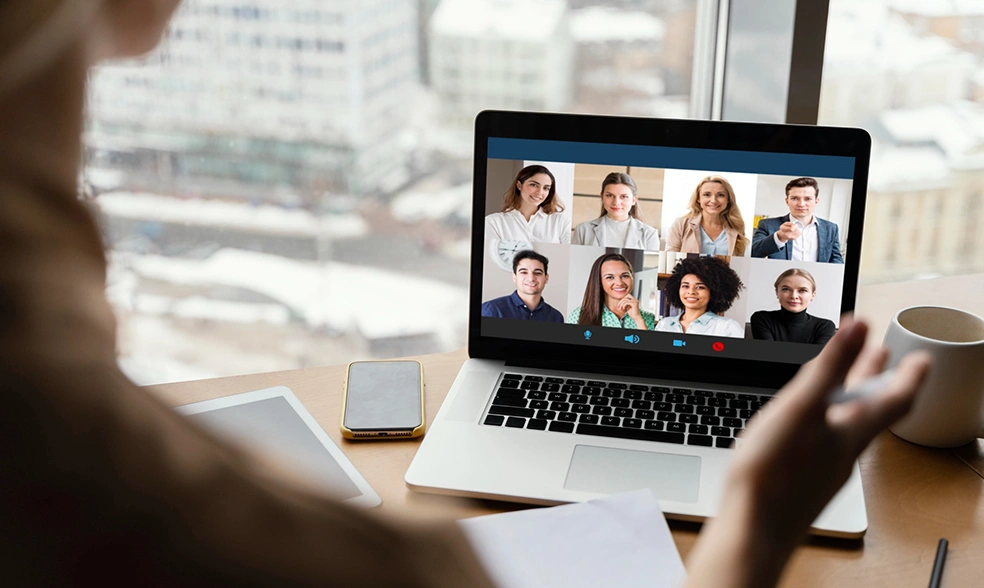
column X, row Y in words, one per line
column 587, row 335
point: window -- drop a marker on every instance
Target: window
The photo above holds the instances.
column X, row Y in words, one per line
column 284, row 187
column 909, row 72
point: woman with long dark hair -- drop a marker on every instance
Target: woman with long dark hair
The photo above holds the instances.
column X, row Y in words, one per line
column 531, row 210
column 620, row 223
column 713, row 224
column 608, row 300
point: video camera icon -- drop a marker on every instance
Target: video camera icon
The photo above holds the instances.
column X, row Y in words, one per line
column 679, row 343
column 634, row 339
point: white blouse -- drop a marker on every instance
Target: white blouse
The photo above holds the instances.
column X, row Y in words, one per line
column 542, row 227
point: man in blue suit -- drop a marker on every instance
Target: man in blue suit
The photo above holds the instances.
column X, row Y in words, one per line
column 799, row 235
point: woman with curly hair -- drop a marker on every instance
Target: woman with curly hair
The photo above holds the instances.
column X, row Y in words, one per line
column 608, row 299
column 713, row 225
column 705, row 287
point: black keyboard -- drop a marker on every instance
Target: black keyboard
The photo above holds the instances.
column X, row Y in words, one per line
column 622, row 410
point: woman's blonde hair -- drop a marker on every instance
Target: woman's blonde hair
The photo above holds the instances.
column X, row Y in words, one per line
column 795, row 272
column 731, row 217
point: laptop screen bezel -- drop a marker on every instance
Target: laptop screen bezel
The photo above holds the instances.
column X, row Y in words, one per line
column 731, row 136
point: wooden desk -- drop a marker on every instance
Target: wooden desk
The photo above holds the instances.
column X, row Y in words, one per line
column 914, row 495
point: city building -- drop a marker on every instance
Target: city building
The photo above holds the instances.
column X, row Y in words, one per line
column 263, row 101
column 506, row 54
column 959, row 21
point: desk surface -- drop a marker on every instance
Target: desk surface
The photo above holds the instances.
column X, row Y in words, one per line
column 914, row 495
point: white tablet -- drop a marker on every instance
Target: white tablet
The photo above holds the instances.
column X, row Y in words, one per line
column 274, row 421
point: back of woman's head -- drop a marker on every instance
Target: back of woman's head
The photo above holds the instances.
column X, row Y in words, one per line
column 593, row 302
column 512, row 199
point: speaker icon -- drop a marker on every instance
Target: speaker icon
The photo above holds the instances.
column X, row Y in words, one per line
column 632, row 339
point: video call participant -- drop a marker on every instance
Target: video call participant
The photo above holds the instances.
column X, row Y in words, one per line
column 713, row 226
column 795, row 289
column 526, row 302
column 531, row 210
column 799, row 235
column 705, row 287
column 620, row 224
column 608, row 299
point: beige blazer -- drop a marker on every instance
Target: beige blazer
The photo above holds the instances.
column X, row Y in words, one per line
column 684, row 236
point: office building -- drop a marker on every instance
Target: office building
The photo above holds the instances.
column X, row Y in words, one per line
column 264, row 101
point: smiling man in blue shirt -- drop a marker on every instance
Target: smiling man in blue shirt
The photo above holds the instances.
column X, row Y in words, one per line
column 526, row 302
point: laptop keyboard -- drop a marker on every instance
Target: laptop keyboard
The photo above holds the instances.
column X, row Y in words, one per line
column 622, row 410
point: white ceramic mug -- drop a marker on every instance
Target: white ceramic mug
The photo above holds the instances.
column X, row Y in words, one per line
column 949, row 409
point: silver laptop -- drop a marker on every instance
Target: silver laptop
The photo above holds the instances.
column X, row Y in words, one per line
column 629, row 349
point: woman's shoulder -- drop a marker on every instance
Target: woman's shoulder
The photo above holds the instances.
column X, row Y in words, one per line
column 574, row 315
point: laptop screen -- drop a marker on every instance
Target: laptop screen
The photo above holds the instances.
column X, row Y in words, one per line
column 686, row 251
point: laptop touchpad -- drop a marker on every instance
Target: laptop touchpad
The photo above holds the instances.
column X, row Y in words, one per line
column 607, row 470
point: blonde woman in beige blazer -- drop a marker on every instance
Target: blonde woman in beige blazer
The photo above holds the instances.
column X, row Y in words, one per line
column 714, row 225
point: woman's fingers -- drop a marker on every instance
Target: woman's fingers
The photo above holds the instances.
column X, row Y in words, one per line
column 814, row 382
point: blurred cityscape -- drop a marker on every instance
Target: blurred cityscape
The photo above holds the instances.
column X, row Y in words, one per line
column 284, row 185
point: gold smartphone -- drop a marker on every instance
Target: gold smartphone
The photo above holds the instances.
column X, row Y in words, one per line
column 383, row 400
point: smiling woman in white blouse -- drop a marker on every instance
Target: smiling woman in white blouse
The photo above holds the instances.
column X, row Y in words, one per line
column 531, row 210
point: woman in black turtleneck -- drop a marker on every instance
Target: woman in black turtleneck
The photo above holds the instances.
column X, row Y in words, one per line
column 795, row 289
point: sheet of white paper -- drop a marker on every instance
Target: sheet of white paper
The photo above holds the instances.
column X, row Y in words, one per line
column 619, row 540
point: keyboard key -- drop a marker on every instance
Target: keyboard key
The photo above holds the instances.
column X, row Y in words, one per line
column 739, row 404
column 654, row 425
column 567, row 417
column 624, row 412
column 664, row 406
column 646, row 415
column 734, row 423
column 581, row 408
column 622, row 433
column 569, row 389
column 511, row 392
column 632, row 394
column 511, row 411
column 494, row 419
column 597, row 384
column 676, row 427
column 578, row 398
column 639, row 387
column 745, row 414
column 706, row 410
column 660, row 389
column 507, row 401
column 618, row 386
column 575, row 382
column 610, row 421
column 673, row 397
column 550, row 387
column 591, row 419
column 653, row 396
column 721, row 431
column 755, row 405
column 538, row 404
column 747, row 397
column 591, row 390
column 666, row 416
column 717, row 402
column 725, row 395
column 698, row 429
column 728, row 412
column 536, row 424
column 602, row 410
column 685, row 408
column 557, row 397
column 689, row 418
column 620, row 403
column 710, row 420
column 704, row 393
column 598, row 401
column 632, row 423
column 534, row 378
column 684, row 391
column 510, row 384
column 561, row 406
column 534, row 395
column 562, row 427
column 555, row 380
column 548, row 415
column 724, row 442
column 512, row 377
column 642, row 404
column 530, row 385
column 612, row 393
column 702, row 440
column 697, row 400
column 515, row 422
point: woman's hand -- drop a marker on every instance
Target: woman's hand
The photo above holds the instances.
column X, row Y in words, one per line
column 630, row 306
column 794, row 456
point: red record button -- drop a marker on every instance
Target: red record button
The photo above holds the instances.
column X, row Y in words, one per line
column 718, row 346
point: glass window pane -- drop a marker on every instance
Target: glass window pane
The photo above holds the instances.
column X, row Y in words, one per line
column 287, row 184
column 909, row 72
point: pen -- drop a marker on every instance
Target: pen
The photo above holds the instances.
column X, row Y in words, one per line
column 934, row 580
